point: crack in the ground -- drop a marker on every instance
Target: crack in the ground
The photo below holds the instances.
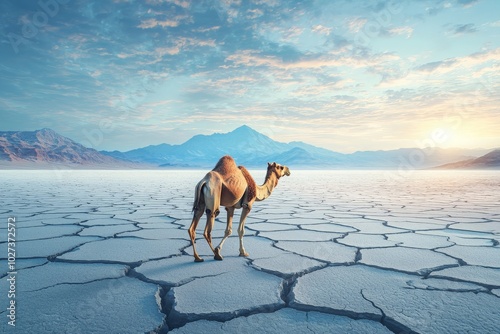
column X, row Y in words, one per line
column 421, row 273
column 29, row 267
column 130, row 264
column 52, row 257
column 459, row 260
column 358, row 256
column 74, row 283
column 391, row 324
column 461, row 280
column 175, row 319
column 135, row 274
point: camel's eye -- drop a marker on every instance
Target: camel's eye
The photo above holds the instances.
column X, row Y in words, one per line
column 281, row 167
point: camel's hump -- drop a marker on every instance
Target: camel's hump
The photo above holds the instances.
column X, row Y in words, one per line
column 225, row 165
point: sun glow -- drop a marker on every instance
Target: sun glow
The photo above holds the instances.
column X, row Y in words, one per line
column 464, row 135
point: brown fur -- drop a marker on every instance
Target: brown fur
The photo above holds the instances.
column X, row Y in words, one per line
column 251, row 185
column 225, row 166
column 271, row 169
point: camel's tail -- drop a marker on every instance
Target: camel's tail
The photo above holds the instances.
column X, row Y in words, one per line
column 252, row 186
column 198, row 194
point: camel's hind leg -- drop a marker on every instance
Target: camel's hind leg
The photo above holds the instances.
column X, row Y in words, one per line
column 192, row 230
column 229, row 230
column 212, row 192
column 208, row 228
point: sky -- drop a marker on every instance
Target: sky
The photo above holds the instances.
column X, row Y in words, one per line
column 342, row 75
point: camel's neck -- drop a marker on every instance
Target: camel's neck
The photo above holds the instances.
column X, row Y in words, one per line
column 265, row 190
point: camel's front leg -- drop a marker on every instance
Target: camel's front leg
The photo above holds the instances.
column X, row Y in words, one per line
column 241, row 228
column 229, row 230
column 192, row 231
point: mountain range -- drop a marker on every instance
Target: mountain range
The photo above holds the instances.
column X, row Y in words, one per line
column 45, row 147
column 247, row 146
column 489, row 160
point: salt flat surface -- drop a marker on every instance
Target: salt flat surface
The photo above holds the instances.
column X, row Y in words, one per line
column 46, row 247
column 406, row 259
column 47, row 232
column 420, row 241
column 339, row 251
column 482, row 275
column 324, row 251
column 222, row 295
column 108, row 231
column 285, row 321
column 481, row 256
column 366, row 240
column 125, row 250
column 41, row 277
column 287, row 264
column 119, row 305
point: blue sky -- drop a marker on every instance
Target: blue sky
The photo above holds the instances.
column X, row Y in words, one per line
column 343, row 75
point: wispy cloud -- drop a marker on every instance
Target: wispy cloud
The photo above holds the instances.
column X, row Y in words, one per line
column 169, row 22
column 449, row 72
column 397, row 31
column 180, row 3
column 356, row 24
column 321, row 29
column 295, row 66
column 254, row 59
column 467, row 3
column 435, row 65
column 461, row 29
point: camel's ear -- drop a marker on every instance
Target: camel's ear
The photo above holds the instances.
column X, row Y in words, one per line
column 268, row 164
column 274, row 164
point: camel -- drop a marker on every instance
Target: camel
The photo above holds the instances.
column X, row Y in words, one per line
column 233, row 187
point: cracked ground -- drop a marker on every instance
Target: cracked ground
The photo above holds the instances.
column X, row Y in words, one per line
column 330, row 252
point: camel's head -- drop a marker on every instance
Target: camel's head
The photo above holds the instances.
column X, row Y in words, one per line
column 278, row 169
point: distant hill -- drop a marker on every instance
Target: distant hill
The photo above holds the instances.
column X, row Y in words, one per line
column 44, row 147
column 247, row 146
column 253, row 149
column 488, row 161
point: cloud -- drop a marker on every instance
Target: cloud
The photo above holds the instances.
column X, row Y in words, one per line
column 292, row 32
column 321, row 29
column 467, row 3
column 453, row 71
column 397, row 31
column 476, row 59
column 175, row 47
column 265, row 58
column 162, row 51
column 461, row 29
column 251, row 58
column 356, row 24
column 205, row 30
column 181, row 3
column 270, row 3
column 152, row 23
column 439, row 6
column 435, row 65
column 95, row 74
column 254, row 13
